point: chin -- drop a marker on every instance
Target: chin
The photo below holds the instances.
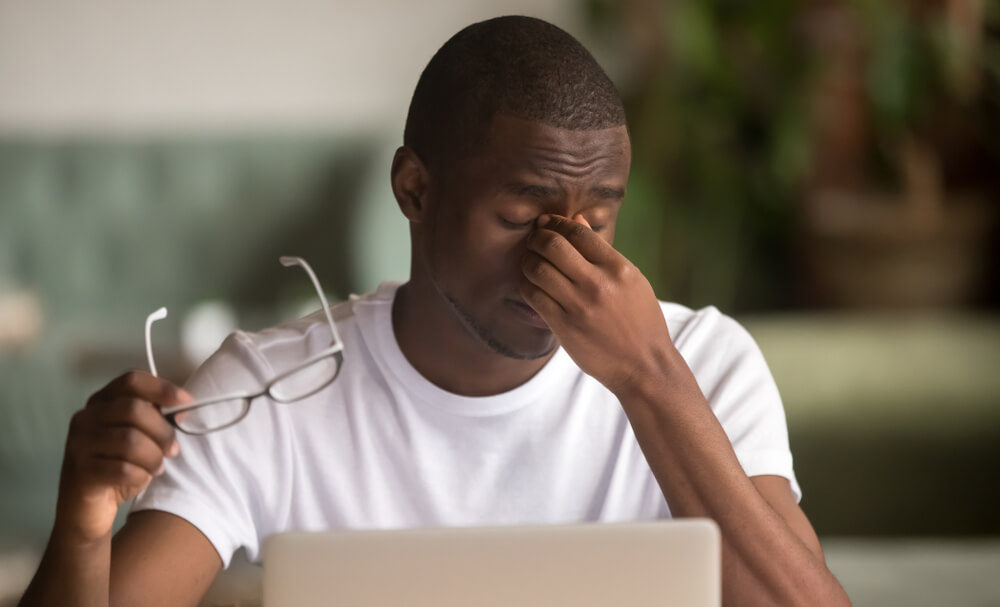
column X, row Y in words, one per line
column 539, row 349
column 523, row 343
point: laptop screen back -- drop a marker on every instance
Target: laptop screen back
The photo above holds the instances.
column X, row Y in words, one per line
column 634, row 564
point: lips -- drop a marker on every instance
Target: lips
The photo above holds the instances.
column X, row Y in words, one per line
column 527, row 314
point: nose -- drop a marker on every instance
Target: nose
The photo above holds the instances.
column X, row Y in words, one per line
column 579, row 218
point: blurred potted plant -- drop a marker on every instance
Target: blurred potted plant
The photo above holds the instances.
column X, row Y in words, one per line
column 715, row 96
column 895, row 215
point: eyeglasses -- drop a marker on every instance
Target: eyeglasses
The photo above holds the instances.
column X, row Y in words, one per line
column 301, row 381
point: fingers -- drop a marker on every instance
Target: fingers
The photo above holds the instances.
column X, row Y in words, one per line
column 586, row 242
column 144, row 386
column 547, row 307
column 122, row 423
column 141, row 415
column 558, row 252
column 131, row 402
column 126, row 478
column 115, row 446
column 565, row 261
column 129, row 445
column 127, row 429
column 543, row 275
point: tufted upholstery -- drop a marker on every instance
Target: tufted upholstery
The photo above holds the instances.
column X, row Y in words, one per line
column 103, row 231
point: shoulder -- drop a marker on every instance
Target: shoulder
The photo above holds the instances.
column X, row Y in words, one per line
column 693, row 328
column 259, row 355
column 715, row 346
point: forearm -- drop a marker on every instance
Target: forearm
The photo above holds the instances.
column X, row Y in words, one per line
column 764, row 560
column 72, row 573
column 606, row 316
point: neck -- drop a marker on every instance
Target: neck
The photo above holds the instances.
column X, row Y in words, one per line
column 441, row 349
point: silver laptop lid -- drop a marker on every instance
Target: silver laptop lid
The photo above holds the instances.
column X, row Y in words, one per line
column 635, row 564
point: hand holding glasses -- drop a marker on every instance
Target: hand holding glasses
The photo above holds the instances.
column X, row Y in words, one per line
column 303, row 380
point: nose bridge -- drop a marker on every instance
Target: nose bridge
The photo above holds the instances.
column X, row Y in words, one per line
column 572, row 199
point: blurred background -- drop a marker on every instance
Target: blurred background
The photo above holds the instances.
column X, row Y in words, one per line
column 826, row 171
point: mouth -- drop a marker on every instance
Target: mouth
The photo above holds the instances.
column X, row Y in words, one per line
column 526, row 313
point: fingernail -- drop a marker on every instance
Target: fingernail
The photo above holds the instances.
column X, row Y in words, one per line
column 161, row 469
column 542, row 220
column 175, row 448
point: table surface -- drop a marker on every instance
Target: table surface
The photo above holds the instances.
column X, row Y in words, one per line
column 875, row 572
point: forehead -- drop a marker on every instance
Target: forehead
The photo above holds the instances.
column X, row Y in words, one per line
column 519, row 145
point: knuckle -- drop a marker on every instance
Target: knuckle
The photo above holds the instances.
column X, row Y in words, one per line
column 133, row 408
column 534, row 266
column 547, row 241
column 131, row 473
column 604, row 291
column 120, row 468
column 78, row 421
column 95, row 398
column 169, row 392
column 169, row 434
column 623, row 271
column 132, row 380
column 130, row 438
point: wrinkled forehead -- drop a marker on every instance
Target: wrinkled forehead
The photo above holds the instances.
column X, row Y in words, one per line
column 518, row 141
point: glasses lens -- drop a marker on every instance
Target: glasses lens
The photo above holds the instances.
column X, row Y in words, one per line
column 306, row 380
column 212, row 416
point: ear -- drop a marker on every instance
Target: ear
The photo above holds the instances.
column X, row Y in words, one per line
column 410, row 183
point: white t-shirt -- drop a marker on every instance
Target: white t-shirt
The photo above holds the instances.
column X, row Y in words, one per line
column 382, row 447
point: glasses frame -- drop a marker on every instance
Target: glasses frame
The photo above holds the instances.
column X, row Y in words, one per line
column 336, row 350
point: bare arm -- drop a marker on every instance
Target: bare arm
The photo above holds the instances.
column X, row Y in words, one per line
column 576, row 281
column 156, row 559
column 770, row 554
column 161, row 559
column 114, row 448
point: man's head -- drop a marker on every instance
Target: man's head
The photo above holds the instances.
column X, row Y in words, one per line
column 511, row 119
column 514, row 66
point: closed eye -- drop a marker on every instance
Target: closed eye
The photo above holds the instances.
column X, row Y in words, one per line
column 514, row 225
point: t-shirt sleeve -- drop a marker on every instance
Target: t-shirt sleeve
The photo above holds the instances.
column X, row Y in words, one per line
column 210, row 483
column 738, row 384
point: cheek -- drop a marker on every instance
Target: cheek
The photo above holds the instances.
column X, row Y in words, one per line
column 472, row 248
column 609, row 235
column 495, row 258
column 496, row 253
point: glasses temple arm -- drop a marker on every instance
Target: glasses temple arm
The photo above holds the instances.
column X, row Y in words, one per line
column 298, row 261
column 155, row 316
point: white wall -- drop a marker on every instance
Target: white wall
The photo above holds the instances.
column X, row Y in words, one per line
column 145, row 67
column 149, row 66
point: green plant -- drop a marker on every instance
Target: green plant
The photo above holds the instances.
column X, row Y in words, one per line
column 927, row 67
column 715, row 94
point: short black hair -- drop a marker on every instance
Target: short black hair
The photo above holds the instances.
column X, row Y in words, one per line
column 517, row 66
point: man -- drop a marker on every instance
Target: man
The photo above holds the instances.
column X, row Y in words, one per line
column 526, row 373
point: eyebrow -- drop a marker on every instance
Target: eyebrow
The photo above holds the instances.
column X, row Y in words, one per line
column 532, row 190
column 543, row 192
column 606, row 193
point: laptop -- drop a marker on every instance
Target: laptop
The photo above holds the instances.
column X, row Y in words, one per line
column 643, row 564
